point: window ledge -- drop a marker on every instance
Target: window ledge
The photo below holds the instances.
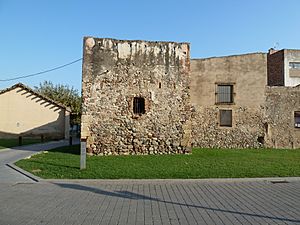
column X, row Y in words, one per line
column 137, row 116
column 224, row 103
column 225, row 127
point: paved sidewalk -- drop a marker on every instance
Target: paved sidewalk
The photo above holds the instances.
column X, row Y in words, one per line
column 11, row 155
column 150, row 202
column 141, row 202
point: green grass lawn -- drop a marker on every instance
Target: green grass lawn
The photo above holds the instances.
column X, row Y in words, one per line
column 8, row 143
column 202, row 163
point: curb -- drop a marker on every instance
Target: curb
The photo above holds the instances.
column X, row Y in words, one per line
column 25, row 173
column 34, row 151
column 211, row 180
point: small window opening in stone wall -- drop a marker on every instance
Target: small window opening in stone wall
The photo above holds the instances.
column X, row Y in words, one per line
column 297, row 119
column 261, row 139
column 266, row 126
column 224, row 93
column 225, row 118
column 159, row 85
column 138, row 105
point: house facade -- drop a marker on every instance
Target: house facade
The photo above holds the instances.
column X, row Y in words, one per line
column 27, row 113
column 143, row 97
column 283, row 67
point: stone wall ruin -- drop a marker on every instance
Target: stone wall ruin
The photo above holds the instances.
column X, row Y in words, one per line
column 121, row 75
column 281, row 104
column 142, row 97
column 247, row 75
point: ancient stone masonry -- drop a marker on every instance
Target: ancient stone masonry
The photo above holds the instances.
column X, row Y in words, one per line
column 246, row 132
column 142, row 97
column 135, row 97
column 281, row 105
column 246, row 74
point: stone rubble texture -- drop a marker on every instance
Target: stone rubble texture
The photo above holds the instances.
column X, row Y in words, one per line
column 114, row 72
column 280, row 130
column 247, row 127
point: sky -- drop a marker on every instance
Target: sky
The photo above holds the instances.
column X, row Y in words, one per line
column 39, row 35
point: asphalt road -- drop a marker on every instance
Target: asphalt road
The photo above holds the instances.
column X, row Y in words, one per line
column 11, row 155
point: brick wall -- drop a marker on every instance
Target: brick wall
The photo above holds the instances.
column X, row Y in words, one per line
column 275, row 68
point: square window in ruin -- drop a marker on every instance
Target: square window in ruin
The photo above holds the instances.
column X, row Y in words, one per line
column 138, row 105
column 226, row 118
column 224, row 94
column 297, row 119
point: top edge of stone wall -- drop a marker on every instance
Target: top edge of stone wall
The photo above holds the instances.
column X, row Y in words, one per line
column 230, row 56
column 138, row 41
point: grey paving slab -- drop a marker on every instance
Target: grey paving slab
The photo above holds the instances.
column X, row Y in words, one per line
column 149, row 202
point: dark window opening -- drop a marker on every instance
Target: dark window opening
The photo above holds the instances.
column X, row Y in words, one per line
column 224, row 93
column 226, row 118
column 159, row 85
column 138, row 105
column 297, row 119
column 261, row 139
column 266, row 128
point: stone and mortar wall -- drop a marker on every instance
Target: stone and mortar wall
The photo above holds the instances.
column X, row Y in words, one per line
column 247, row 128
column 248, row 75
column 281, row 102
column 114, row 72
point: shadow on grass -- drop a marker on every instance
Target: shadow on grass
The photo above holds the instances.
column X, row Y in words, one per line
column 74, row 150
column 14, row 143
column 135, row 196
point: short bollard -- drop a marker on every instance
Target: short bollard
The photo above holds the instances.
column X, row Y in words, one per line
column 71, row 141
column 20, row 141
column 83, row 153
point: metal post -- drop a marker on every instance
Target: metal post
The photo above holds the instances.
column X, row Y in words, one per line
column 20, row 140
column 71, row 140
column 83, row 153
